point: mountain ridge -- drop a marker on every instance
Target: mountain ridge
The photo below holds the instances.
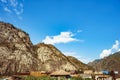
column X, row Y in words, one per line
column 112, row 62
column 18, row 54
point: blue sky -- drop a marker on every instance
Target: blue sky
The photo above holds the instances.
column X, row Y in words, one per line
column 86, row 29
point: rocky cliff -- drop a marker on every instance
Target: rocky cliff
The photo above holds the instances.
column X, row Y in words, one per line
column 16, row 52
column 52, row 58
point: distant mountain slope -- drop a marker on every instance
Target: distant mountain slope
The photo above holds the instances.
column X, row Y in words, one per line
column 111, row 62
column 94, row 62
column 78, row 64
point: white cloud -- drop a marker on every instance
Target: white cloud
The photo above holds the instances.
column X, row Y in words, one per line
column 64, row 37
column 107, row 52
column 18, row 12
column 76, row 55
column 79, row 31
column 21, row 5
column 116, row 45
column 7, row 10
column 13, row 3
column 4, row 1
column 14, row 7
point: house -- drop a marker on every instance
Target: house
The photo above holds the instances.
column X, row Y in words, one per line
column 86, row 76
column 60, row 73
column 88, row 71
column 98, row 72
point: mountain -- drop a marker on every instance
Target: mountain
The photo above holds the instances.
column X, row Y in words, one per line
column 52, row 58
column 94, row 62
column 109, row 63
column 16, row 50
column 78, row 64
column 18, row 54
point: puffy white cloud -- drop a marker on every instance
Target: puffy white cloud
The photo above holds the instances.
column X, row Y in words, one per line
column 113, row 49
column 64, row 37
column 105, row 53
column 116, row 45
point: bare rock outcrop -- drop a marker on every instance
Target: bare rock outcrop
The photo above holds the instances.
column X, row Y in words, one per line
column 52, row 59
column 16, row 50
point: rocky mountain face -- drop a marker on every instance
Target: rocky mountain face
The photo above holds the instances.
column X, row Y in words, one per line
column 18, row 54
column 109, row 63
column 78, row 64
column 52, row 59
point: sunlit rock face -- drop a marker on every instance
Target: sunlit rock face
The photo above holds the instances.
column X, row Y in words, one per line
column 52, row 58
column 16, row 51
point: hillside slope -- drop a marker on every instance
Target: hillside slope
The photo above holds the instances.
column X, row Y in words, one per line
column 78, row 64
column 111, row 62
column 52, row 58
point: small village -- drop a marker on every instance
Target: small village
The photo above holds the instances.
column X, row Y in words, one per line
column 64, row 75
column 59, row 39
